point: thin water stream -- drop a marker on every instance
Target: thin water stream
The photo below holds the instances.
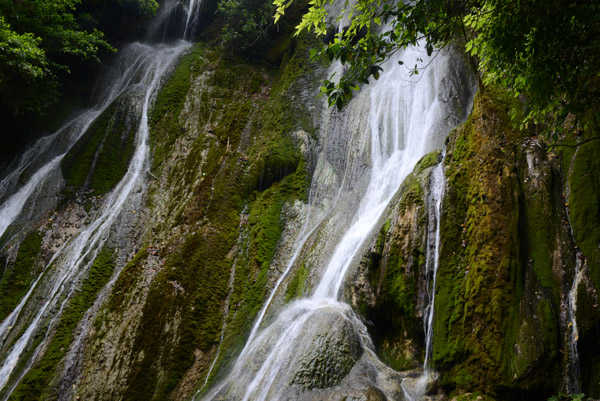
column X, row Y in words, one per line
column 573, row 379
column 139, row 69
column 414, row 390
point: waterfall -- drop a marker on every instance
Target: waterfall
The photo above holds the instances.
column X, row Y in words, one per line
column 192, row 16
column 573, row 374
column 385, row 130
column 139, row 69
column 415, row 389
column 573, row 384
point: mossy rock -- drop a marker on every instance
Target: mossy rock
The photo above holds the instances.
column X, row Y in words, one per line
column 333, row 349
column 396, row 273
column 492, row 333
column 584, row 203
column 581, row 164
column 240, row 170
column 100, row 158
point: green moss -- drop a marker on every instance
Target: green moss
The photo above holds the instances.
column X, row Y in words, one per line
column 427, row 161
column 230, row 82
column 125, row 283
column 588, row 312
column 497, row 239
column 581, row 163
column 171, row 97
column 37, row 382
column 295, row 288
column 17, row 278
column 584, row 201
column 393, row 275
column 101, row 156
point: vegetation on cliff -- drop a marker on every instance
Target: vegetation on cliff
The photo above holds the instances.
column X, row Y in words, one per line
column 101, row 156
column 506, row 232
column 547, row 53
column 16, row 279
column 226, row 137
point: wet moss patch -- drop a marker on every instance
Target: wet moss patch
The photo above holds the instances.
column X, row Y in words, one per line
column 295, row 288
column 396, row 267
column 584, row 204
column 17, row 278
column 100, row 158
column 170, row 101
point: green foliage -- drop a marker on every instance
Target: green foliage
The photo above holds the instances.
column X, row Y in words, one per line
column 245, row 22
column 364, row 46
column 544, row 52
column 20, row 54
column 41, row 40
column 16, row 279
column 35, row 37
column 147, row 7
column 568, row 397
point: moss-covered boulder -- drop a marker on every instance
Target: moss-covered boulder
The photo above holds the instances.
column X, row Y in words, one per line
column 333, row 349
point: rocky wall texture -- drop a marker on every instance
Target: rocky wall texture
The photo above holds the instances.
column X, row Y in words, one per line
column 230, row 160
column 507, row 263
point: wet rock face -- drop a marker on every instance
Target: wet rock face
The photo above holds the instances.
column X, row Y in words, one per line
column 332, row 352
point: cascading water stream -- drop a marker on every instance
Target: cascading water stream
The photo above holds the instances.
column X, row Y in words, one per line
column 573, row 372
column 404, row 122
column 59, row 143
column 140, row 69
column 192, row 14
column 77, row 257
column 573, row 384
column 415, row 389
